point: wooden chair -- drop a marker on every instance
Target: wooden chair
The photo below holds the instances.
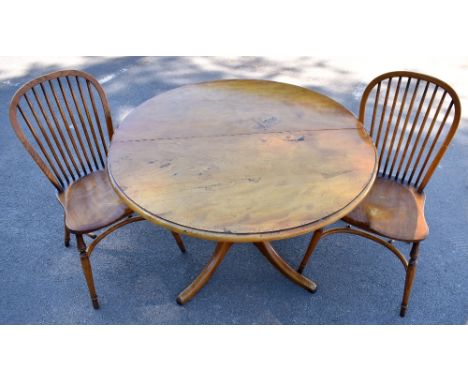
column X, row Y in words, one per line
column 64, row 122
column 411, row 118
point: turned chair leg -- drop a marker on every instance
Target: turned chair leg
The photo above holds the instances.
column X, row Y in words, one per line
column 179, row 241
column 410, row 273
column 66, row 237
column 88, row 273
column 313, row 243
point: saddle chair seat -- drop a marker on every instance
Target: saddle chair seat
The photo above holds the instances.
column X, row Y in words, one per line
column 90, row 203
column 393, row 210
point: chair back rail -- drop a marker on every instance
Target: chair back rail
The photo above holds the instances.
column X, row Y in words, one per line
column 63, row 120
column 411, row 118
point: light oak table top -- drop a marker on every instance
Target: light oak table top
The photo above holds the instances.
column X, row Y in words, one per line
column 241, row 160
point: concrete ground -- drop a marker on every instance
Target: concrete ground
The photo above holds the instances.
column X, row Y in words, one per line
column 139, row 270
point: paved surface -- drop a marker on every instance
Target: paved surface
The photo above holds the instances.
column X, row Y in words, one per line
column 139, row 270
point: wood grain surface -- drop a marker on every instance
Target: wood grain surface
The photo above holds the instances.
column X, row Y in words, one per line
column 392, row 210
column 241, row 160
column 90, row 203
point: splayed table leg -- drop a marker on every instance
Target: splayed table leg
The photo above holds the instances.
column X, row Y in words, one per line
column 188, row 293
column 274, row 258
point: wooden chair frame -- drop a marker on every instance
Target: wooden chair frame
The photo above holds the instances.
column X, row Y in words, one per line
column 395, row 169
column 69, row 153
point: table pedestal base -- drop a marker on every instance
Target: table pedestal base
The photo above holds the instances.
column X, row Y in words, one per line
column 220, row 252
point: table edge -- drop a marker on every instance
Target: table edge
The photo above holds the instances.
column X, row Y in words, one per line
column 246, row 237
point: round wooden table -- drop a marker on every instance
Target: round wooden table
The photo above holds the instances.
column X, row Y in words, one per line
column 242, row 161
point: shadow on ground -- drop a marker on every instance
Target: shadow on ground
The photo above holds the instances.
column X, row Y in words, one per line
column 139, row 271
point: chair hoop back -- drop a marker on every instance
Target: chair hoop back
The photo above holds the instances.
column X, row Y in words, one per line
column 412, row 119
column 63, row 120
